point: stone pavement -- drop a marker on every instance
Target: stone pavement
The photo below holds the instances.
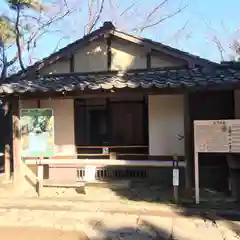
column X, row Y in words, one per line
column 54, row 219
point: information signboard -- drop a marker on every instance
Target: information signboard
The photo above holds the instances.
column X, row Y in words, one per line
column 37, row 132
column 217, row 136
column 214, row 136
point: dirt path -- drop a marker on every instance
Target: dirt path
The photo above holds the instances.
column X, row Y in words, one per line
column 39, row 234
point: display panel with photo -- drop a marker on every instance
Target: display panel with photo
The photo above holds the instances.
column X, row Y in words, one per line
column 37, row 132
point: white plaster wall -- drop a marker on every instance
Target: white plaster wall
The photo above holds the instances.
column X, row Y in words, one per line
column 127, row 56
column 57, row 68
column 166, row 120
column 63, row 110
column 159, row 59
column 91, row 57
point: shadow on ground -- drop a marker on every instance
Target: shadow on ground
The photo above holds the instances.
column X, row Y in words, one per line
column 216, row 206
column 143, row 231
column 157, row 193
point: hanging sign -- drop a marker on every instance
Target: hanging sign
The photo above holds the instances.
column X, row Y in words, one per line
column 175, row 177
column 105, row 150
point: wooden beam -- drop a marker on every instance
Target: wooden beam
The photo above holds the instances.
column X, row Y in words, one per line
column 148, row 57
column 7, row 162
column 7, row 139
column 100, row 93
column 16, row 140
column 188, row 142
column 38, row 104
column 109, row 120
column 109, row 52
column 39, row 185
column 71, row 64
column 103, row 162
column 146, row 121
column 148, row 60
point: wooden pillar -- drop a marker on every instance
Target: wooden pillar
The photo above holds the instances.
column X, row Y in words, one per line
column 71, row 63
column 109, row 51
column 148, row 57
column 146, row 121
column 109, row 121
column 7, row 161
column 188, row 130
column 16, row 136
column 39, row 185
column 7, row 139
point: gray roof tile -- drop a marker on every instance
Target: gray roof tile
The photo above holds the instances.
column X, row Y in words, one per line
column 160, row 78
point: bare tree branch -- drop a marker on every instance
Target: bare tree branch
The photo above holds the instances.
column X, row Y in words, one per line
column 176, row 35
column 219, row 47
column 155, row 9
column 34, row 36
column 96, row 19
column 18, row 35
column 216, row 40
column 128, row 9
column 90, row 15
column 59, row 41
column 162, row 19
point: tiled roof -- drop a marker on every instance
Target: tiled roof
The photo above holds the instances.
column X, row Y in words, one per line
column 159, row 78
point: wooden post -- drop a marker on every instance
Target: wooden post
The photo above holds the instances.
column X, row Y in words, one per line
column 40, row 173
column 7, row 139
column 112, row 156
column 196, row 170
column 39, row 184
column 109, row 51
column 175, row 178
column 18, row 178
column 188, row 142
column 7, row 160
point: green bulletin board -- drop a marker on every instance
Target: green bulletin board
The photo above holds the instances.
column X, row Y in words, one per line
column 37, row 132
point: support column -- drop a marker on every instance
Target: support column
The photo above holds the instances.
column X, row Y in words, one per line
column 7, row 162
column 16, row 136
column 188, row 130
column 7, row 139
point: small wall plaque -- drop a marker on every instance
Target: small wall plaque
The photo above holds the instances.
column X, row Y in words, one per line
column 105, row 150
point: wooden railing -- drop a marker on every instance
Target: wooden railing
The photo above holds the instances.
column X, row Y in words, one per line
column 112, row 147
column 101, row 162
column 117, row 149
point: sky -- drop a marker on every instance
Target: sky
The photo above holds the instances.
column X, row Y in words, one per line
column 192, row 30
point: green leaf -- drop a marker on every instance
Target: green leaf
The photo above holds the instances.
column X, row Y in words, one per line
column 7, row 31
column 31, row 4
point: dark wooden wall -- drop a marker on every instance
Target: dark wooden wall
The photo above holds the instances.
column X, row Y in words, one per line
column 212, row 105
